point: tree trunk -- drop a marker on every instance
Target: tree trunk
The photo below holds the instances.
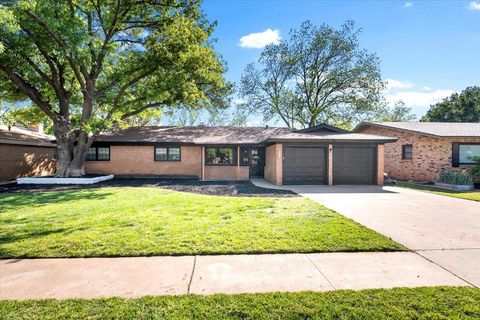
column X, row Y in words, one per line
column 71, row 153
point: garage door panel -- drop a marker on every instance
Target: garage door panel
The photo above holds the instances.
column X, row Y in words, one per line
column 354, row 165
column 304, row 165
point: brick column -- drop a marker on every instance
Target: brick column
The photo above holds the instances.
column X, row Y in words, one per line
column 330, row 164
column 380, row 163
column 279, row 164
column 203, row 163
column 238, row 163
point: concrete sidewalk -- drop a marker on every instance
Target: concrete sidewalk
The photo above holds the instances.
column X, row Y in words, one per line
column 139, row 276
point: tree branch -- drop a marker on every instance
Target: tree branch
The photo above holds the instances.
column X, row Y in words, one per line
column 30, row 91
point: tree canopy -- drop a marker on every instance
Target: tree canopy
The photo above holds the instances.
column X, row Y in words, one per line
column 319, row 74
column 91, row 66
column 398, row 113
column 459, row 107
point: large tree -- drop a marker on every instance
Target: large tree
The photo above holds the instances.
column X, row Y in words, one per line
column 93, row 65
column 398, row 113
column 459, row 107
column 319, row 74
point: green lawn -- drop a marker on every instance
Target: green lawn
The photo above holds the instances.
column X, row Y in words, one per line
column 152, row 221
column 402, row 303
column 473, row 195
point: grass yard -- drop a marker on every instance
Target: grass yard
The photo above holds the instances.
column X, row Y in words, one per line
column 152, row 221
column 473, row 195
column 401, row 303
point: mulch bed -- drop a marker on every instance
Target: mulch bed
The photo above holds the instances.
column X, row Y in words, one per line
column 220, row 188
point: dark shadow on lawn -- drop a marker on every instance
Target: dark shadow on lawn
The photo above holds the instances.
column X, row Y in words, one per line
column 30, row 198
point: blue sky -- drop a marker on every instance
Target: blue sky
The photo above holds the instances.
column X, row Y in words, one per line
column 428, row 49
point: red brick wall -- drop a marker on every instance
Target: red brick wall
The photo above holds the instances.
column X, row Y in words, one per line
column 25, row 161
column 431, row 155
column 227, row 172
column 139, row 160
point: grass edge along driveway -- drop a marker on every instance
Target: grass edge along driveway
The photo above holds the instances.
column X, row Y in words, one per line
column 398, row 303
column 152, row 221
column 469, row 195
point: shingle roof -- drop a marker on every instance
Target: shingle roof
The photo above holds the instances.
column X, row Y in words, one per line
column 333, row 137
column 24, row 137
column 223, row 135
column 441, row 129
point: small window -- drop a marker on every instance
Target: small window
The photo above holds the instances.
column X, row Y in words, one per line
column 244, row 158
column 98, row 154
column 92, row 154
column 467, row 152
column 167, row 153
column 223, row 156
column 407, row 152
column 103, row 153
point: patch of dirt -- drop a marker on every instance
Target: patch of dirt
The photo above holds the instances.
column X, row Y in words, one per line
column 220, row 188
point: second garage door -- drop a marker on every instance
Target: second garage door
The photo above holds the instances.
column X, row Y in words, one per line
column 354, row 165
column 304, row 165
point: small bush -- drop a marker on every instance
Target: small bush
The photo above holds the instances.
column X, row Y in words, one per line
column 475, row 170
column 455, row 178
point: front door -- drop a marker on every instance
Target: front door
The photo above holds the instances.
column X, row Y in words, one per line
column 255, row 159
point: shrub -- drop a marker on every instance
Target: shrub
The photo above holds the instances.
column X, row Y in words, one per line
column 455, row 178
column 475, row 170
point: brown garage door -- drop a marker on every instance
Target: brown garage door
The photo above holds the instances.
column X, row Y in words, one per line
column 304, row 165
column 354, row 165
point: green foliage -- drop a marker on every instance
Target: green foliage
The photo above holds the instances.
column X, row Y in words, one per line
column 91, row 66
column 27, row 115
column 474, row 171
column 318, row 75
column 154, row 221
column 135, row 54
column 455, row 178
column 463, row 107
column 427, row 303
column 398, row 113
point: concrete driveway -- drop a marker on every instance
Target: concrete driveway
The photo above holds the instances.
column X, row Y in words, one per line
column 442, row 229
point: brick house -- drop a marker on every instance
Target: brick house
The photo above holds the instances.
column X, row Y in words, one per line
column 424, row 149
column 319, row 155
column 24, row 153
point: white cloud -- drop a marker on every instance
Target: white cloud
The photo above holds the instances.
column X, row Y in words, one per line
column 408, row 4
column 238, row 101
column 260, row 39
column 398, row 84
column 418, row 98
column 474, row 5
column 426, row 88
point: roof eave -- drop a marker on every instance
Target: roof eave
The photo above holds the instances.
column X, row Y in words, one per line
column 380, row 141
column 399, row 129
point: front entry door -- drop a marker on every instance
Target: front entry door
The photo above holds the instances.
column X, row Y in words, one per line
column 255, row 159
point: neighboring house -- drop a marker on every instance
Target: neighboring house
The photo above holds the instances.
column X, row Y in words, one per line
column 320, row 155
column 424, row 149
column 24, row 153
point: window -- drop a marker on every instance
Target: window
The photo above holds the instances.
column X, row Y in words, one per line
column 407, row 152
column 244, row 158
column 223, row 156
column 167, row 153
column 92, row 154
column 98, row 154
column 467, row 151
